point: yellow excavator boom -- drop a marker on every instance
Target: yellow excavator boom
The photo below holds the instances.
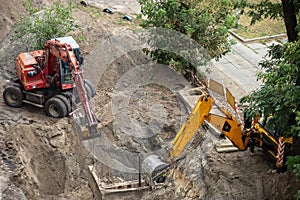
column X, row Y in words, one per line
column 190, row 126
column 230, row 127
column 241, row 137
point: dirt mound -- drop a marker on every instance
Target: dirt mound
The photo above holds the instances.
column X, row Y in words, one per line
column 9, row 14
column 49, row 166
column 45, row 161
column 11, row 11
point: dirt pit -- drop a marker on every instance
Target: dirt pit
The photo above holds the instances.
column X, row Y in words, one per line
column 43, row 158
column 44, row 161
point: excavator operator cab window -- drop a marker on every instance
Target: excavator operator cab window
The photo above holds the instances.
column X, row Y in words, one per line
column 66, row 76
column 78, row 57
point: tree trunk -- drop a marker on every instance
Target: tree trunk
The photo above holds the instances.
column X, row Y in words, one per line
column 290, row 19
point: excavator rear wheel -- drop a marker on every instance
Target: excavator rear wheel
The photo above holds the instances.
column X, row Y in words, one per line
column 56, row 108
column 90, row 90
column 13, row 96
column 90, row 87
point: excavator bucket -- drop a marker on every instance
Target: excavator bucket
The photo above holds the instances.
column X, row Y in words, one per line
column 92, row 130
column 84, row 130
column 88, row 132
column 153, row 169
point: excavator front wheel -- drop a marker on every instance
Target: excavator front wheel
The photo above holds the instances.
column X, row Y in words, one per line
column 56, row 108
column 13, row 96
column 66, row 102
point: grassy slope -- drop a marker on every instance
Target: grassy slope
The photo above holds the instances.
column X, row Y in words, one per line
column 264, row 28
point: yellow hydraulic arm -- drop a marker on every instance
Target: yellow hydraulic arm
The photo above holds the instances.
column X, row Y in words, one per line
column 230, row 127
column 190, row 127
column 257, row 135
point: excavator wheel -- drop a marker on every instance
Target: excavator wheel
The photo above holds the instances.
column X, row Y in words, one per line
column 56, row 108
column 88, row 90
column 66, row 101
column 90, row 87
column 13, row 96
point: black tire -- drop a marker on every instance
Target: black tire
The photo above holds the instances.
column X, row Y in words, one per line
column 66, row 101
column 13, row 96
column 88, row 83
column 55, row 108
column 161, row 179
column 88, row 90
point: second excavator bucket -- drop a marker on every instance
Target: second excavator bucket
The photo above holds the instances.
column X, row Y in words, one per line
column 154, row 169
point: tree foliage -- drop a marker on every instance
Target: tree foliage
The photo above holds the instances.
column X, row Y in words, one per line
column 205, row 22
column 286, row 10
column 280, row 94
column 43, row 23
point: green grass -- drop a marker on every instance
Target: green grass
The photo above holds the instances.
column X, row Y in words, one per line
column 266, row 27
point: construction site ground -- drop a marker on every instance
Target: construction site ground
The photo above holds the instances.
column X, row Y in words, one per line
column 139, row 110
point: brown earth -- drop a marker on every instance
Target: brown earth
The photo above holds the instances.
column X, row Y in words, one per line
column 43, row 158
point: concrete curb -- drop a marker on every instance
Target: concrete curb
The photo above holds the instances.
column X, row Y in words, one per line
column 256, row 39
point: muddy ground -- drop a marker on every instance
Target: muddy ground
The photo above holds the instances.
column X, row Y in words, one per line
column 43, row 158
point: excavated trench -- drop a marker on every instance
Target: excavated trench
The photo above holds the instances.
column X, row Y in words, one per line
column 142, row 113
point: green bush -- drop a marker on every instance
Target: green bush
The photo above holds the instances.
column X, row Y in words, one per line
column 42, row 24
column 204, row 22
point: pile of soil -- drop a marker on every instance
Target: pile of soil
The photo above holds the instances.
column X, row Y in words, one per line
column 43, row 158
column 9, row 15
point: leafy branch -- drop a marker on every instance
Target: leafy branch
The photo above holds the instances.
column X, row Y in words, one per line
column 43, row 23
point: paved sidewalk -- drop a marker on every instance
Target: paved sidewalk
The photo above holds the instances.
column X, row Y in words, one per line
column 237, row 69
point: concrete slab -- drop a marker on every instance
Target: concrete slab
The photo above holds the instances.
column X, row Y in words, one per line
column 262, row 52
column 256, row 46
column 247, row 54
column 238, row 80
column 238, row 69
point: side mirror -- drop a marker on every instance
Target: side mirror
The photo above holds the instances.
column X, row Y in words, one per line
column 81, row 60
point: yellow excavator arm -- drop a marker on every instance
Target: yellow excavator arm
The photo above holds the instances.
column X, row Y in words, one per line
column 230, row 127
column 242, row 138
column 190, row 127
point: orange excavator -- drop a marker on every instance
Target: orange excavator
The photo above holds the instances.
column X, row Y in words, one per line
column 52, row 79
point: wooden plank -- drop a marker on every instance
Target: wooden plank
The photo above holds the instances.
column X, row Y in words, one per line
column 92, row 180
column 123, row 184
column 226, row 149
column 100, row 191
column 126, row 190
